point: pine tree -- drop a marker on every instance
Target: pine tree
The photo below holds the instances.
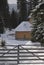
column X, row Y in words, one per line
column 35, row 2
column 38, row 25
column 4, row 11
column 13, row 19
column 18, row 4
column 31, row 5
column 23, row 10
column 1, row 26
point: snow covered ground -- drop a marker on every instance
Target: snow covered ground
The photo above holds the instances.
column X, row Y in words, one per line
column 10, row 40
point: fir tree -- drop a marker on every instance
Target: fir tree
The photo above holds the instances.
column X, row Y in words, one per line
column 35, row 2
column 1, row 26
column 23, row 10
column 38, row 25
column 4, row 11
column 13, row 19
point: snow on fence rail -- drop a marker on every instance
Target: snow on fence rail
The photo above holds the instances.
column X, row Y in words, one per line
column 22, row 54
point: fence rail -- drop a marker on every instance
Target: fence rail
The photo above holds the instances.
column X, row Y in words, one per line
column 22, row 54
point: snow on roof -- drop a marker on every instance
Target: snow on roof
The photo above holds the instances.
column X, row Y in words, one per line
column 24, row 26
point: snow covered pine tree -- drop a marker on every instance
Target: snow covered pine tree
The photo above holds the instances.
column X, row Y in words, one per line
column 38, row 24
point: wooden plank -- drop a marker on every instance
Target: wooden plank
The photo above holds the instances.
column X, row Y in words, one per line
column 7, row 49
column 8, row 56
column 33, row 63
column 31, row 52
column 31, row 48
column 7, row 59
column 29, row 59
column 30, row 55
column 8, row 53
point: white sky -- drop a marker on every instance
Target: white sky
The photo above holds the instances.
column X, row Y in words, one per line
column 12, row 1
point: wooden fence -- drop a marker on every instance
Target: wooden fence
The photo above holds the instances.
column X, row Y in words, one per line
column 22, row 54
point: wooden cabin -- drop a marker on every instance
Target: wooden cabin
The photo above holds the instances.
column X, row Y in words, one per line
column 23, row 31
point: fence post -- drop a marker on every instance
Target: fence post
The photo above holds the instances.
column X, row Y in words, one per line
column 18, row 55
